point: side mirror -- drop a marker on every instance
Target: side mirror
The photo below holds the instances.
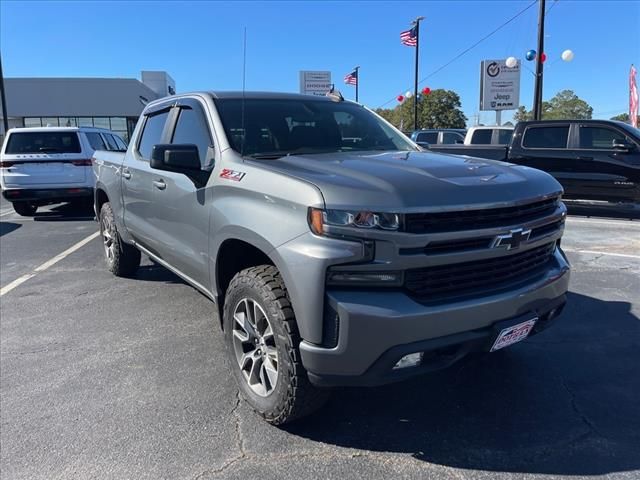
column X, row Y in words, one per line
column 182, row 158
column 622, row 146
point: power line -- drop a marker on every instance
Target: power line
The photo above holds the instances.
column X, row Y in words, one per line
column 472, row 46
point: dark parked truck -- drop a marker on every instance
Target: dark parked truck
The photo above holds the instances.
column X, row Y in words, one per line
column 337, row 252
column 594, row 160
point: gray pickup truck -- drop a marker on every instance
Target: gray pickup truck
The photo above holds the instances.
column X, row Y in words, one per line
column 336, row 250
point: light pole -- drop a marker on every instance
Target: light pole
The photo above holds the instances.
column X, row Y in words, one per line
column 3, row 98
column 416, row 22
column 537, row 93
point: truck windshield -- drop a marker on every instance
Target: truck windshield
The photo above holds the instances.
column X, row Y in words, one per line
column 43, row 142
column 277, row 127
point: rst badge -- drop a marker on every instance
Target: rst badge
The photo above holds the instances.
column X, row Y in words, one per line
column 232, row 174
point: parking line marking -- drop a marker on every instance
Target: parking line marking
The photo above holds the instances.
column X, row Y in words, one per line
column 595, row 252
column 8, row 212
column 49, row 263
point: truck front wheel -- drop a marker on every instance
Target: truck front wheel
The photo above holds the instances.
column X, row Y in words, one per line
column 262, row 346
column 122, row 259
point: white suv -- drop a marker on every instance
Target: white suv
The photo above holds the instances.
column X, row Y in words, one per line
column 39, row 166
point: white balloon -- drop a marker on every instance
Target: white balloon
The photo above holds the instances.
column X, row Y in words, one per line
column 511, row 62
column 567, row 55
column 409, row 94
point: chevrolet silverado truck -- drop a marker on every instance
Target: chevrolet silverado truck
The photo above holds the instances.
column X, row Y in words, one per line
column 337, row 251
column 594, row 160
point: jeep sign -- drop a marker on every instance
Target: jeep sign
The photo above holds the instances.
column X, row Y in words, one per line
column 499, row 85
column 315, row 83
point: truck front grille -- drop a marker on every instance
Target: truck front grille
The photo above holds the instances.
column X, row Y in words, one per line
column 430, row 284
column 478, row 219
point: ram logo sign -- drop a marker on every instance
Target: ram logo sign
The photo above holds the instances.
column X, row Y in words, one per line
column 499, row 85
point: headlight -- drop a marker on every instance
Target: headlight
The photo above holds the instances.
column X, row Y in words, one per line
column 319, row 219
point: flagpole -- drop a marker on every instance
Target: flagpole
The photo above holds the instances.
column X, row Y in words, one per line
column 415, row 79
column 357, row 81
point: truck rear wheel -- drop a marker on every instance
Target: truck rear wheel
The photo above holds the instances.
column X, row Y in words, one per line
column 25, row 209
column 122, row 259
column 262, row 346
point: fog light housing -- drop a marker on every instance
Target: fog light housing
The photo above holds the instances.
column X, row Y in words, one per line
column 364, row 278
column 411, row 360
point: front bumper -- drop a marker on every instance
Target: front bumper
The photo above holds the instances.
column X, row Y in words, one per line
column 46, row 195
column 376, row 329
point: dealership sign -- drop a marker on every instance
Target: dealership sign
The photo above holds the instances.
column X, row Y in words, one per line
column 499, row 85
column 315, row 83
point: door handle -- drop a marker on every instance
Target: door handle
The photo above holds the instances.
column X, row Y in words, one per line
column 126, row 174
column 159, row 184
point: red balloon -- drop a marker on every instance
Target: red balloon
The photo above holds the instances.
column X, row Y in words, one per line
column 543, row 57
column 400, row 98
column 426, row 91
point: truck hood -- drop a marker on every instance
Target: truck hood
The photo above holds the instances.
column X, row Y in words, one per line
column 414, row 181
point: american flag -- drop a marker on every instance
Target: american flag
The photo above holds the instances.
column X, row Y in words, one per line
column 410, row 37
column 351, row 78
column 633, row 98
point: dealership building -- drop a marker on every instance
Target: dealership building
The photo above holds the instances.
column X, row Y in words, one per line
column 113, row 103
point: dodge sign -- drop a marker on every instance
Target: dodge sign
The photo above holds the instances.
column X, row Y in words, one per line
column 499, row 85
column 315, row 83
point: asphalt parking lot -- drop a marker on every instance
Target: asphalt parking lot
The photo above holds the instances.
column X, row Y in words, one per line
column 110, row 378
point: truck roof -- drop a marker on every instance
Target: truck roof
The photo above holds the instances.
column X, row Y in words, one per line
column 58, row 129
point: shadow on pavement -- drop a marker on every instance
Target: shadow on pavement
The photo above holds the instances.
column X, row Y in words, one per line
column 8, row 227
column 157, row 273
column 66, row 212
column 564, row 402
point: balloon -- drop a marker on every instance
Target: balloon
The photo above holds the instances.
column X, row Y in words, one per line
column 543, row 57
column 531, row 55
column 408, row 94
column 567, row 55
column 511, row 62
column 426, row 91
column 400, row 98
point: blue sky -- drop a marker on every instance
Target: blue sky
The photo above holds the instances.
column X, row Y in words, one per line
column 200, row 44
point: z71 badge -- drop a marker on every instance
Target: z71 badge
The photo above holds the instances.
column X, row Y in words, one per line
column 232, row 174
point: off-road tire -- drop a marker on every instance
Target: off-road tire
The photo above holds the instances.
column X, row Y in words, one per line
column 125, row 258
column 25, row 209
column 293, row 396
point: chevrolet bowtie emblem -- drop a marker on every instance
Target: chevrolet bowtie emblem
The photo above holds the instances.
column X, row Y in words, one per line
column 511, row 240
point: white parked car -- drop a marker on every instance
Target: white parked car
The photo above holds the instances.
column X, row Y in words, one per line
column 489, row 135
column 44, row 165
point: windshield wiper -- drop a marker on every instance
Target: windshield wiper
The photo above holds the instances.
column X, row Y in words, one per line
column 286, row 153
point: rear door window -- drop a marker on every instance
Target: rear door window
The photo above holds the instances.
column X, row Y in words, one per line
column 152, row 133
column 428, row 137
column 450, row 138
column 504, row 137
column 599, row 138
column 43, row 142
column 121, row 143
column 110, row 141
column 95, row 140
column 546, row 137
column 481, row 137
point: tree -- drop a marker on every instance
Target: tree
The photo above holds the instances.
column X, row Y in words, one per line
column 439, row 109
column 566, row 105
column 624, row 117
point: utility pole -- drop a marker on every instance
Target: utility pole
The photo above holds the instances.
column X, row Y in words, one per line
column 537, row 93
column 416, row 22
column 3, row 98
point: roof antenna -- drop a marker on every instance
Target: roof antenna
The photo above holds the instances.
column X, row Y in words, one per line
column 244, row 77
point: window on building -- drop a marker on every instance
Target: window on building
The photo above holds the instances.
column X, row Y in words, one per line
column 85, row 122
column 68, row 121
column 192, row 128
column 95, row 140
column 33, row 122
column 152, row 133
column 546, row 137
column 50, row 122
column 118, row 124
column 599, row 137
column 101, row 122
